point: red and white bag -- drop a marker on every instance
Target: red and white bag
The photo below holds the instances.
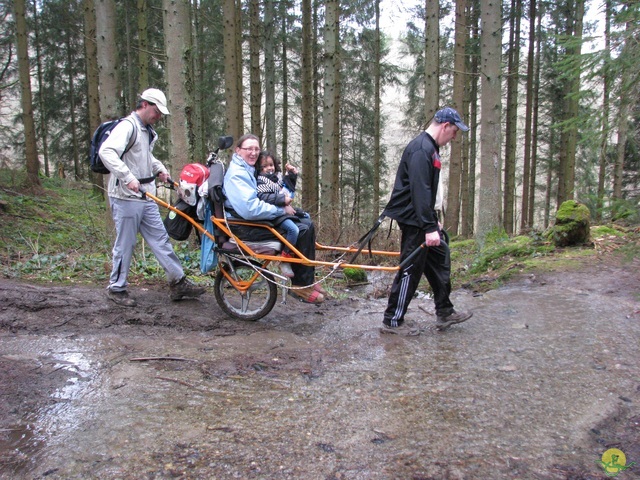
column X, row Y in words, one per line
column 192, row 176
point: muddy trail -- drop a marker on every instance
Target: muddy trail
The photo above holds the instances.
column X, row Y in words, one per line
column 539, row 384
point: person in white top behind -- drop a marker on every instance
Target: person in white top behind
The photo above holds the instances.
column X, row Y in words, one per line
column 132, row 174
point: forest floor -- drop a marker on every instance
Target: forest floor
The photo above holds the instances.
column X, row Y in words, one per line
column 538, row 384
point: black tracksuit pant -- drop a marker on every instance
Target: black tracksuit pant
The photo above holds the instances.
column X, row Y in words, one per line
column 433, row 262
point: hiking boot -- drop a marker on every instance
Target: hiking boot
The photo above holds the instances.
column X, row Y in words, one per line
column 121, row 298
column 185, row 288
column 402, row 329
column 285, row 267
column 443, row 323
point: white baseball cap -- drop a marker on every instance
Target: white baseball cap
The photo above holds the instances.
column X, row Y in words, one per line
column 155, row 96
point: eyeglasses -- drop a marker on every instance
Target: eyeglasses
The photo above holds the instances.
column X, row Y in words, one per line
column 254, row 149
column 155, row 108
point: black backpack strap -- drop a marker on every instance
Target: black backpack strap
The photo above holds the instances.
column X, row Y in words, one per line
column 152, row 133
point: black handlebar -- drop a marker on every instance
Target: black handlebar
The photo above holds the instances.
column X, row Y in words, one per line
column 413, row 255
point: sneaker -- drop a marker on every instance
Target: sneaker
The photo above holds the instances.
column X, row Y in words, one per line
column 121, row 298
column 185, row 288
column 443, row 323
column 285, row 267
column 402, row 329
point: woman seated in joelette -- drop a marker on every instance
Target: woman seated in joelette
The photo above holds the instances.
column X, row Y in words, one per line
column 240, row 189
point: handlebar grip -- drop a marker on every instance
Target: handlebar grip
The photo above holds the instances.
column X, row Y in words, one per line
column 413, row 255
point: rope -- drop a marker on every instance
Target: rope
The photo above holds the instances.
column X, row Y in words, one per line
column 247, row 260
column 282, row 277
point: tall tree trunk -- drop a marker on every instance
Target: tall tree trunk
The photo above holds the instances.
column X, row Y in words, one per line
column 431, row 59
column 534, row 126
column 107, row 56
column 606, row 93
column 93, row 96
column 255, row 84
column 143, row 47
column 329, row 192
column 44, row 130
column 232, row 69
column 490, row 110
column 525, row 221
column 270, row 74
column 623, row 132
column 569, row 139
column 240, row 66
column 623, row 114
column 308, row 133
column 128, row 75
column 72, row 110
column 452, row 219
column 317, row 113
column 197, row 68
column 549, row 183
column 512, row 116
column 468, row 206
column 108, row 67
column 284, row 5
column 376, row 115
column 336, row 193
column 177, row 34
column 32, row 163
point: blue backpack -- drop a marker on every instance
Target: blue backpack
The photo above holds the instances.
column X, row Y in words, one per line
column 98, row 138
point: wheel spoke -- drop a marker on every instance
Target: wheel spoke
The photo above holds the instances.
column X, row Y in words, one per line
column 254, row 296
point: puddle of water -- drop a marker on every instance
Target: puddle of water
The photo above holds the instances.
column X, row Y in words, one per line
column 24, row 444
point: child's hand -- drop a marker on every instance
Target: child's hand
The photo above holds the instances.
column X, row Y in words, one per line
column 290, row 168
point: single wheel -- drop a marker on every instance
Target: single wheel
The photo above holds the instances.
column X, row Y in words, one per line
column 252, row 298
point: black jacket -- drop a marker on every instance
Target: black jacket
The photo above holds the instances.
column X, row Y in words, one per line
column 413, row 198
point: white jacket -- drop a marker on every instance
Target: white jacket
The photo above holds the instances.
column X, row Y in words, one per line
column 138, row 162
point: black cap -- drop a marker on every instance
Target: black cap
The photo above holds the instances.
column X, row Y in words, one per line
column 449, row 115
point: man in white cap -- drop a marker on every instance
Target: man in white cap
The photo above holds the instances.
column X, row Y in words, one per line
column 133, row 171
column 413, row 205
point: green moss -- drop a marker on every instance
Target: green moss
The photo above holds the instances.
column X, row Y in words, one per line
column 572, row 211
column 355, row 274
column 464, row 244
column 463, row 248
column 497, row 253
column 603, row 230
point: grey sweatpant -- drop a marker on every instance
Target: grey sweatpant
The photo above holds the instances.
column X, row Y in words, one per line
column 131, row 217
